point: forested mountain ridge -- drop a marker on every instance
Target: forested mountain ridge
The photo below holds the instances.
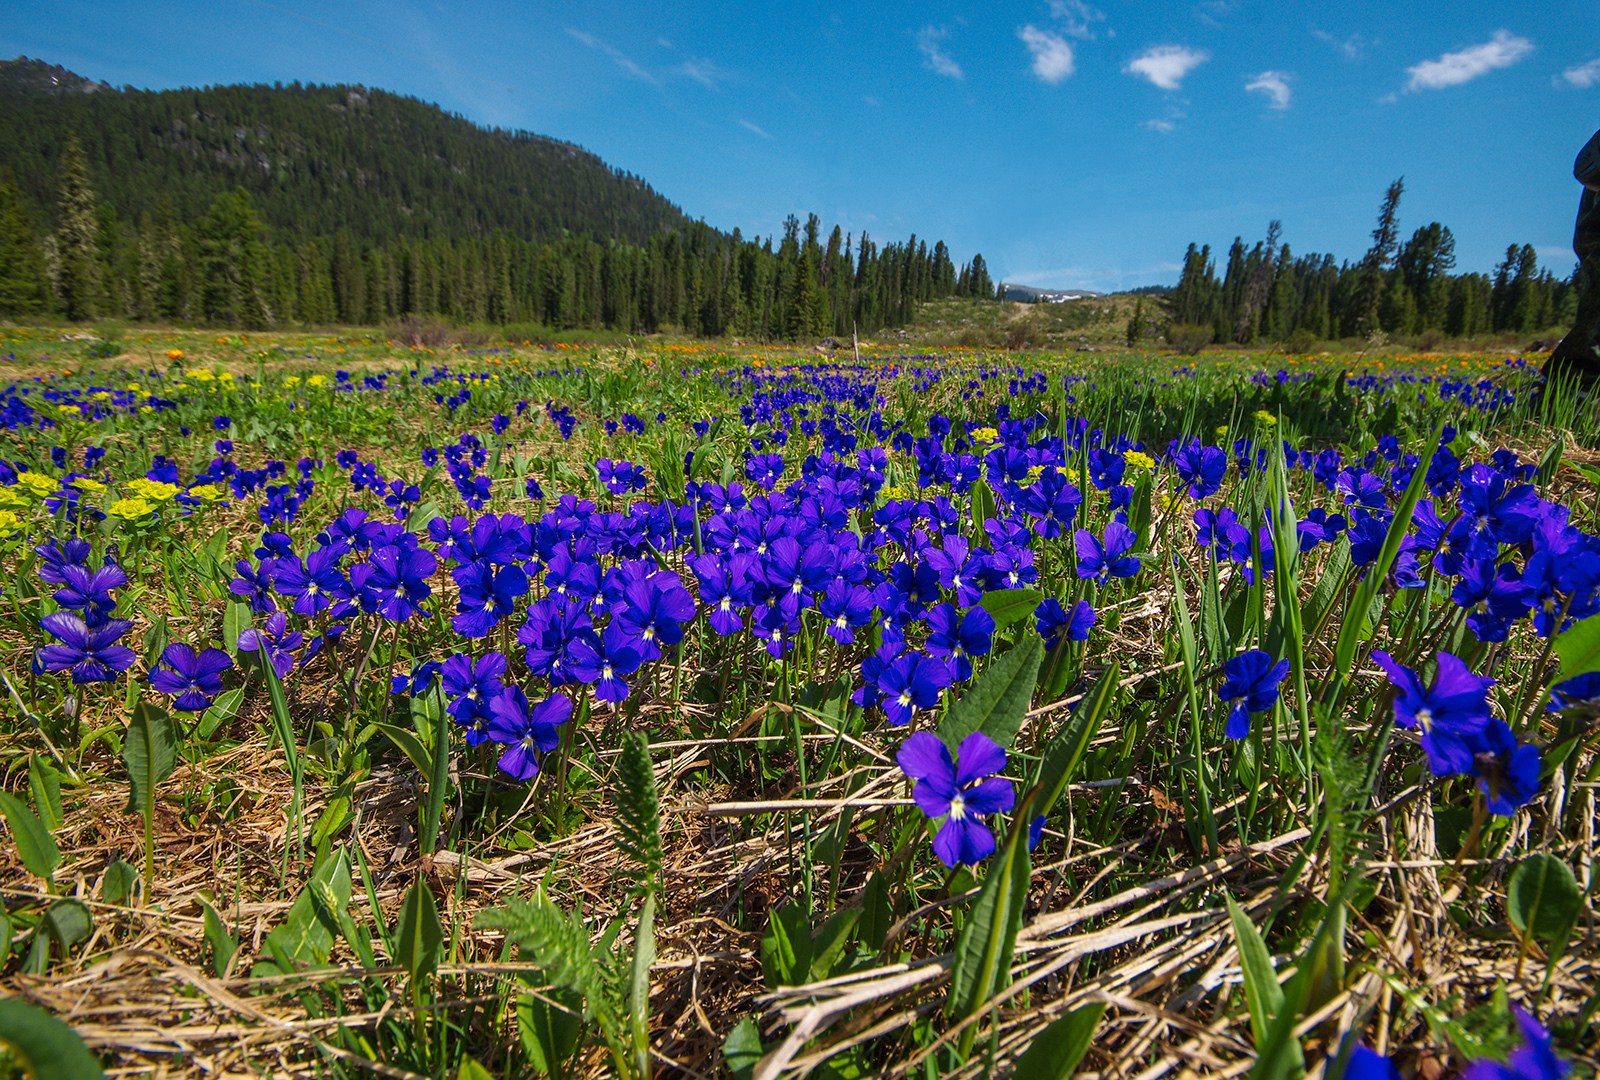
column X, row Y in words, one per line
column 259, row 206
column 315, row 160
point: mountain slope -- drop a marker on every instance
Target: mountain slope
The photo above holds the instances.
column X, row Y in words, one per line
column 315, row 160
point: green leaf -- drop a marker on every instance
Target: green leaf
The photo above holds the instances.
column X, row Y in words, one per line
column 235, row 621
column 998, row 701
column 45, row 785
column 36, row 847
column 471, row 1070
column 644, row 955
column 117, row 884
column 1544, row 900
column 335, row 817
column 876, row 914
column 68, row 923
column 1069, row 744
column 1056, row 1051
column 222, row 944
column 638, row 808
column 743, row 1049
column 983, row 951
column 829, row 943
column 419, row 935
column 222, row 711
column 1320, row 604
column 411, row 745
column 549, row 1034
column 150, row 751
column 43, row 1046
column 1579, row 648
column 1261, row 987
column 983, row 506
column 1550, row 463
column 307, row 931
column 786, row 947
column 432, row 709
column 1008, row 606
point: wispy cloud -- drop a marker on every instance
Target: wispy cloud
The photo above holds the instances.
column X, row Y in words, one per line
column 1052, row 56
column 748, row 126
column 1452, row 69
column 1077, row 18
column 1166, row 65
column 1274, row 84
column 1353, row 47
column 620, row 58
column 928, row 39
column 701, row 71
column 1583, row 76
column 1163, row 126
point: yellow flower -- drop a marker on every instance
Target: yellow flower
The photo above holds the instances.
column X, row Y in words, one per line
column 9, row 523
column 38, row 484
column 174, row 354
column 131, row 509
column 985, row 436
column 84, row 483
column 206, row 492
column 101, row 395
column 1139, row 460
column 199, row 375
column 292, row 381
column 317, row 380
column 154, row 490
column 1267, row 418
column 1221, row 432
column 147, row 408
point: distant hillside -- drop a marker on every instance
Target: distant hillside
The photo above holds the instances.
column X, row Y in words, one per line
column 315, row 160
column 1027, row 294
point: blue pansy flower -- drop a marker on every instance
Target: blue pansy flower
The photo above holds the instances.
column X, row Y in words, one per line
column 962, row 790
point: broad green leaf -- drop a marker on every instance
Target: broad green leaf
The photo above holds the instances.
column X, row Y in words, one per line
column 742, row 1049
column 1550, row 463
column 1055, row 1052
column 439, row 775
column 471, row 1070
column 1008, row 606
column 36, row 847
column 406, row 741
column 876, row 914
column 1579, row 648
column 983, row 951
column 44, row 1047
column 222, row 711
column 1320, row 604
column 1071, row 742
column 829, row 943
column 307, row 931
column 335, row 817
column 150, row 751
column 117, row 884
column 997, row 702
column 983, row 506
column 419, row 935
column 235, row 621
column 1261, row 987
column 1544, row 900
column 222, row 944
column 45, row 785
column 549, row 1034
column 68, row 923
column 786, row 947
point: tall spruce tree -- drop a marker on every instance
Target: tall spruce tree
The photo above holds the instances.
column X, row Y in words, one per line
column 24, row 285
column 77, row 278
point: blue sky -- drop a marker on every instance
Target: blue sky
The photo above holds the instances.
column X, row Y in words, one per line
column 1072, row 144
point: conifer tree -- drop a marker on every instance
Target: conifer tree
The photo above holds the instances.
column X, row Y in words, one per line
column 24, row 285
column 77, row 278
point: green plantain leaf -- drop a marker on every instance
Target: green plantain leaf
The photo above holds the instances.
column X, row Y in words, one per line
column 35, row 845
column 1543, row 899
column 998, row 701
column 1579, row 648
column 43, row 1046
column 45, row 785
column 419, row 935
column 1055, row 1052
column 1010, row 605
column 150, row 751
column 1071, row 742
column 222, row 944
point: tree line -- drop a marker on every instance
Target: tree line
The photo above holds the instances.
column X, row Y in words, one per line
column 1399, row 289
column 277, row 248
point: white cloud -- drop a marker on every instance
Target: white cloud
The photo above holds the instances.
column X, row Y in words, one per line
column 1583, row 76
column 1163, row 126
column 1353, row 46
column 748, row 126
column 1076, row 17
column 1166, row 65
column 1453, row 69
column 701, row 72
column 928, row 39
column 621, row 59
column 1275, row 84
column 1052, row 56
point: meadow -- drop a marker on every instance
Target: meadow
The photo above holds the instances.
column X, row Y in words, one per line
column 676, row 710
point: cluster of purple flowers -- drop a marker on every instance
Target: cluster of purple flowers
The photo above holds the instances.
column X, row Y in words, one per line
column 85, row 632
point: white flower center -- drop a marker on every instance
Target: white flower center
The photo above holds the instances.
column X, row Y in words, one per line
column 958, row 808
column 1425, row 719
column 904, row 698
